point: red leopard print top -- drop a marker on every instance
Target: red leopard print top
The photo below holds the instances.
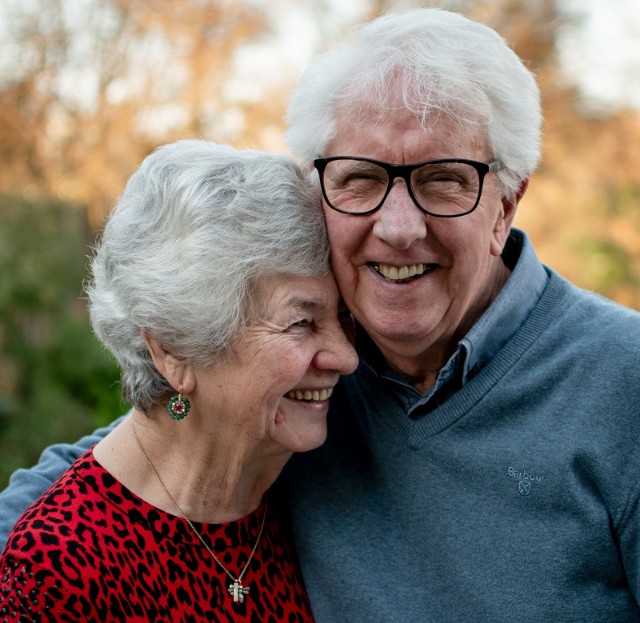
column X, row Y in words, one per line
column 90, row 550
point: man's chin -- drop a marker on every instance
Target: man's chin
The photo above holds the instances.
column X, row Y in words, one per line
column 398, row 327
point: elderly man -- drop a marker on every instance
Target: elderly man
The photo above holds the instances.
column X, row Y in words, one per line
column 482, row 462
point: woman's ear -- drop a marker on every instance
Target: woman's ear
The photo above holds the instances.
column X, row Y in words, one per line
column 175, row 370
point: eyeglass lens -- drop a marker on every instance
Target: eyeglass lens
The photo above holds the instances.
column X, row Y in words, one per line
column 445, row 189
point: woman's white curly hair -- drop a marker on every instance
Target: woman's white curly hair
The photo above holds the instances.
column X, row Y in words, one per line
column 181, row 254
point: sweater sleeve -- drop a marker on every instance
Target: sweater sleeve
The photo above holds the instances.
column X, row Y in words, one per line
column 626, row 524
column 27, row 485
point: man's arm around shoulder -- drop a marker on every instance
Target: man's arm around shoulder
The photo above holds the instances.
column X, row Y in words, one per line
column 27, row 485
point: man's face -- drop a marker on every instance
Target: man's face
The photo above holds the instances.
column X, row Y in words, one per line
column 420, row 318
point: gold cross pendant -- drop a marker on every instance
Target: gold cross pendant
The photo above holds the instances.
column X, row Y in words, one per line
column 238, row 591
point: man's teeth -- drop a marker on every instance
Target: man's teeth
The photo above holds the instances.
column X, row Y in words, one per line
column 307, row 394
column 395, row 273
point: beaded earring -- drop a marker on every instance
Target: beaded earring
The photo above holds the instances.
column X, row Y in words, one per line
column 178, row 406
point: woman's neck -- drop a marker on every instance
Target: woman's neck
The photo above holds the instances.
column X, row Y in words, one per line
column 212, row 479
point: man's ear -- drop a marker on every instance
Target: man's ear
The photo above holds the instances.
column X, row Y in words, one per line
column 505, row 219
column 175, row 370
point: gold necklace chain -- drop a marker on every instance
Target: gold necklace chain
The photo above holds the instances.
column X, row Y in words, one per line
column 236, row 590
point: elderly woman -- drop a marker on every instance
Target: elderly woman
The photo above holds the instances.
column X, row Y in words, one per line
column 212, row 289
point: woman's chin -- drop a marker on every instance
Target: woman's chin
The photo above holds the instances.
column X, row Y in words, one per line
column 301, row 439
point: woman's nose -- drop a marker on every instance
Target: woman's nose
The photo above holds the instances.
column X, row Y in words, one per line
column 338, row 353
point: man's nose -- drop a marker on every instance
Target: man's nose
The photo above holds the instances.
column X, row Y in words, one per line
column 399, row 222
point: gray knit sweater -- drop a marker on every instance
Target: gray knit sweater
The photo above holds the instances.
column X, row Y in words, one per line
column 516, row 500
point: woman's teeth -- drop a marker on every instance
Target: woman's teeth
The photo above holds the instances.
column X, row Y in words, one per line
column 307, row 394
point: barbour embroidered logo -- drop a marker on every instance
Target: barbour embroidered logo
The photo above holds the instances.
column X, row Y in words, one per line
column 526, row 479
column 524, row 487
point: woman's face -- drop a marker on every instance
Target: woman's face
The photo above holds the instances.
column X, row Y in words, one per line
column 286, row 364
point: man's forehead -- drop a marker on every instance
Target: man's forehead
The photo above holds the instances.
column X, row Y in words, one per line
column 370, row 129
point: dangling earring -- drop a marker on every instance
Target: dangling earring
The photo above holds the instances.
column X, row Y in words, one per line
column 178, row 406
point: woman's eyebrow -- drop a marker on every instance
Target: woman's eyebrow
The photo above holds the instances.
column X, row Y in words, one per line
column 304, row 303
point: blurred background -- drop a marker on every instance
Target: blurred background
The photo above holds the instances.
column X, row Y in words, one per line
column 89, row 87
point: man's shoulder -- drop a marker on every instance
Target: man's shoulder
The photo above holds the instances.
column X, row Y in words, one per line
column 593, row 318
column 578, row 302
column 57, row 504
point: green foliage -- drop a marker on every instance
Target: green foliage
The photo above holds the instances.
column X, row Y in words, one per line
column 606, row 266
column 623, row 201
column 610, row 253
column 56, row 381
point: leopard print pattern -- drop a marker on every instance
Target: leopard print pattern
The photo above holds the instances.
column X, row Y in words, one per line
column 90, row 550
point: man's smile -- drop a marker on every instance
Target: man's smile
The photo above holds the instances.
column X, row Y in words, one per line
column 401, row 273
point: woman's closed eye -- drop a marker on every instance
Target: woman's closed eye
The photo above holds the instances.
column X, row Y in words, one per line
column 303, row 323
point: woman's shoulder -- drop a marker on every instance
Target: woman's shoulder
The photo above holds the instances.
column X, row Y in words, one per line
column 74, row 506
column 47, row 559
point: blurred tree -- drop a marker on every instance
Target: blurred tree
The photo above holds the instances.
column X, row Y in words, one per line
column 55, row 379
column 91, row 86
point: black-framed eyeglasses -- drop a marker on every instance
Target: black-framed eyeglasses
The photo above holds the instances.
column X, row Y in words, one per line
column 446, row 188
